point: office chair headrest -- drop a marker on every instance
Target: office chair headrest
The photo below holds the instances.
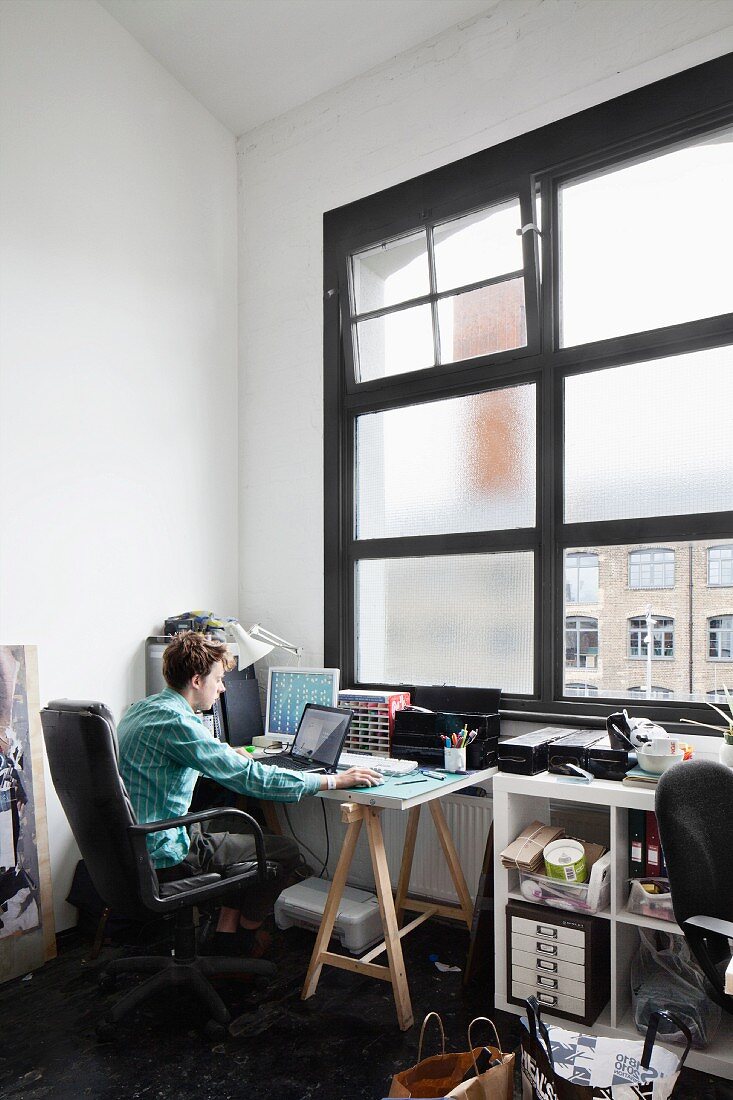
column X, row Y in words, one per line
column 82, row 706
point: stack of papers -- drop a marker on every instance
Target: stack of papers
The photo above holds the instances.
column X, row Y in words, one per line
column 637, row 777
column 525, row 853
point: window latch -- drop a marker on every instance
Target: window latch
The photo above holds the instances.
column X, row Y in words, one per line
column 530, row 227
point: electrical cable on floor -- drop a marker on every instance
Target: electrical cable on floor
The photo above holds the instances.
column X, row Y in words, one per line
column 302, row 843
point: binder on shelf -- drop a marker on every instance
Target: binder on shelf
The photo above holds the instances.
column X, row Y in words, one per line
column 653, row 846
column 637, row 843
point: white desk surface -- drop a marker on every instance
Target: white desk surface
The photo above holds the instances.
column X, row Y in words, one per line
column 394, row 796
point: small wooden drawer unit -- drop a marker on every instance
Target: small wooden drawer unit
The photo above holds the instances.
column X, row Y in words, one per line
column 562, row 959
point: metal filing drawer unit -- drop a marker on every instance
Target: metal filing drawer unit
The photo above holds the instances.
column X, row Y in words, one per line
column 562, row 959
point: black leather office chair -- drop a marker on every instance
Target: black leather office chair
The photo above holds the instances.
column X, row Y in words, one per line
column 81, row 743
column 693, row 806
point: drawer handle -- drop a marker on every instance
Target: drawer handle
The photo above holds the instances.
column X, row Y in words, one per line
column 547, row 948
column 547, row 930
column 546, row 999
column 548, row 983
column 545, row 964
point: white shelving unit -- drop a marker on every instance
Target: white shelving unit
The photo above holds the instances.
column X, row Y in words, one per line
column 519, row 800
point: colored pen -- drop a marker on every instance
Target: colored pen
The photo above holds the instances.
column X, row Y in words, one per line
column 404, row 781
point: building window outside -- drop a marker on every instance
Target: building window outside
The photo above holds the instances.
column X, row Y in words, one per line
column 662, row 634
column 454, row 347
column 651, row 569
column 581, row 691
column 581, row 643
column 581, row 578
column 656, row 693
column 720, row 638
column 720, row 565
column 717, row 695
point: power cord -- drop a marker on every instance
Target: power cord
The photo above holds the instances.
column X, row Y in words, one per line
column 302, row 843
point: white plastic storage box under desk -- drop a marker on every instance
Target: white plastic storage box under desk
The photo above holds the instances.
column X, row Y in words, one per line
column 358, row 923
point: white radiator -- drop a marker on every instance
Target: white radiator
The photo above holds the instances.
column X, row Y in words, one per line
column 468, row 819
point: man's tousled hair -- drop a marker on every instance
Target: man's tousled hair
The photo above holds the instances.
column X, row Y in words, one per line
column 189, row 654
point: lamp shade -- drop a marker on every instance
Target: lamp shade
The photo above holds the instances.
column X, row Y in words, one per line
column 249, row 649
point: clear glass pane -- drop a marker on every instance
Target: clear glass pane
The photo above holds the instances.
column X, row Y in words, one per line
column 479, row 246
column 581, row 578
column 690, row 628
column 390, row 273
column 464, row 464
column 650, row 439
column 395, row 343
column 483, row 321
column 648, row 244
column 466, row 620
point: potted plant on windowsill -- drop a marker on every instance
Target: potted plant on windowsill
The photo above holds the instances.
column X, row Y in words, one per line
column 725, row 755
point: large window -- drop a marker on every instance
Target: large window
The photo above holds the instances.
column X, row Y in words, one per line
column 720, row 566
column 720, row 638
column 581, row 578
column 581, row 643
column 528, row 363
column 651, row 569
column 661, row 634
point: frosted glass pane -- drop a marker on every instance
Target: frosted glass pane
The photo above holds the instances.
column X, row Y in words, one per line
column 396, row 343
column 466, row 620
column 390, row 273
column 478, row 246
column 482, row 322
column 650, row 439
column 464, row 464
column 606, row 636
column 649, row 244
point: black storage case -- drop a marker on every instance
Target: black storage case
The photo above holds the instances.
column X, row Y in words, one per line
column 607, row 763
column 417, row 737
column 527, row 754
column 572, row 749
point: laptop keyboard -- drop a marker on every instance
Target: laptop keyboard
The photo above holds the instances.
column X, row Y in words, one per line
column 285, row 760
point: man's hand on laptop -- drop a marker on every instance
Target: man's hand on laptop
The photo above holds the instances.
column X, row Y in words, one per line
column 357, row 777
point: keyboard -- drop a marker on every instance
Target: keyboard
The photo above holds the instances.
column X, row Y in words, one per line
column 385, row 765
column 285, row 760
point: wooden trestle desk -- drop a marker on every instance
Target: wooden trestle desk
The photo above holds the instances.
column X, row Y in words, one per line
column 365, row 807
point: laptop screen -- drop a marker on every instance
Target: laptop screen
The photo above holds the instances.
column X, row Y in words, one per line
column 321, row 734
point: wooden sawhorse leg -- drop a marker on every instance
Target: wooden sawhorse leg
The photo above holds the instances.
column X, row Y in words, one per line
column 354, row 815
column 464, row 910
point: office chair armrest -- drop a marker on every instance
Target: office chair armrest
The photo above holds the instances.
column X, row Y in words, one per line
column 207, row 815
column 712, row 924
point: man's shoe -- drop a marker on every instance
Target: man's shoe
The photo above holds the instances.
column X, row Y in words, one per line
column 245, row 943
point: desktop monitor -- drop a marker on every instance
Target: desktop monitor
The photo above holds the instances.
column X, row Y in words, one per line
column 288, row 691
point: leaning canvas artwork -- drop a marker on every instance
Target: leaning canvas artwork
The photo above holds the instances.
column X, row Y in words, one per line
column 26, row 913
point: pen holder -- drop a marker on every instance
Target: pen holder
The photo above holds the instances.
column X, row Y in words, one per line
column 455, row 760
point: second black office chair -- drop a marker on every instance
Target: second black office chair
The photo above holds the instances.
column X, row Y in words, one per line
column 81, row 743
column 693, row 806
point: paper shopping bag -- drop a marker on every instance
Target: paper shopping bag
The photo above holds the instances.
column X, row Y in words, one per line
column 432, row 1077
column 496, row 1083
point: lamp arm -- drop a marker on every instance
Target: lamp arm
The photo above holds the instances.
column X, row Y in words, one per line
column 263, row 635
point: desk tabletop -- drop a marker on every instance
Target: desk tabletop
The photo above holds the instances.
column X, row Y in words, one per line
column 402, row 792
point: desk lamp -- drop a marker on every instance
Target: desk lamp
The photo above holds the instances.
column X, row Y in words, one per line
column 255, row 643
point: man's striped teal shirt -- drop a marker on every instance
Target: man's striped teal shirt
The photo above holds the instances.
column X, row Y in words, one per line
column 165, row 746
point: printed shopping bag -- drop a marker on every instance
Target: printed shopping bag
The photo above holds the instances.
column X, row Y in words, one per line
column 434, row 1077
column 564, row 1065
column 495, row 1083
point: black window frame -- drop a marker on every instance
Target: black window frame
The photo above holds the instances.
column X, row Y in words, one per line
column 535, row 164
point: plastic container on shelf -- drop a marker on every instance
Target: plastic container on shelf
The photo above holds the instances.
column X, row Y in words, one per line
column 578, row 897
column 656, row 904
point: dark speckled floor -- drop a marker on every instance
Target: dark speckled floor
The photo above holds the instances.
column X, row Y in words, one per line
column 343, row 1043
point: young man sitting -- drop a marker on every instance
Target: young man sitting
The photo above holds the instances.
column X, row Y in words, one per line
column 165, row 746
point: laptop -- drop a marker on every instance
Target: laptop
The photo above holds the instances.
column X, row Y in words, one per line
column 318, row 740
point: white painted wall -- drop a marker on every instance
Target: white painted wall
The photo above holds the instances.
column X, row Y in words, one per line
column 524, row 64
column 118, row 383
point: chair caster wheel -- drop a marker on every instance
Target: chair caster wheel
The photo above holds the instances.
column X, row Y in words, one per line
column 107, row 981
column 106, row 1030
column 214, row 1030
